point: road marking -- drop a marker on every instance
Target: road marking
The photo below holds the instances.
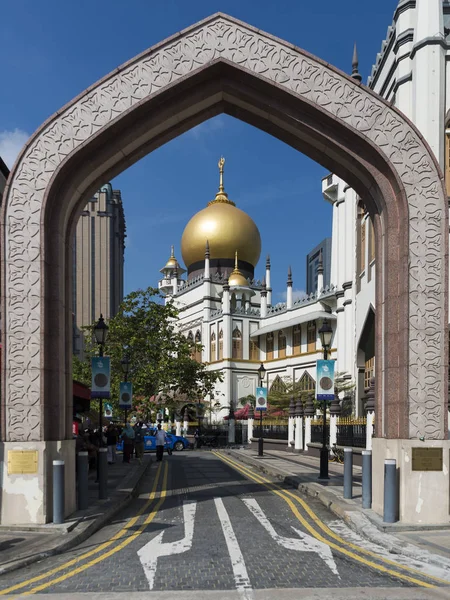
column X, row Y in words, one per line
column 241, row 578
column 149, row 554
column 306, row 543
column 99, row 559
column 286, row 495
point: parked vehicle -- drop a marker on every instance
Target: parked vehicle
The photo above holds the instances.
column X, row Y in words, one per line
column 175, row 442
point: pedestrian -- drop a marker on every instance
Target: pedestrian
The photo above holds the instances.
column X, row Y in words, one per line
column 139, row 441
column 161, row 439
column 128, row 442
column 197, row 440
column 111, row 441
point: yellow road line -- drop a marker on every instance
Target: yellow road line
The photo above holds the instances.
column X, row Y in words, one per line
column 276, row 489
column 90, row 553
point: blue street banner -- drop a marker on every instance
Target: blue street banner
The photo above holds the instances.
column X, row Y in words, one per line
column 126, row 394
column 261, row 398
column 108, row 411
column 101, row 375
column 325, row 380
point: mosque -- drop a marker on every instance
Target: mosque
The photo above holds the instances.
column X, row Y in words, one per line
column 232, row 315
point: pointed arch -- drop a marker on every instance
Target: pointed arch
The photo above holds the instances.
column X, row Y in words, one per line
column 220, row 344
column 306, row 383
column 237, row 343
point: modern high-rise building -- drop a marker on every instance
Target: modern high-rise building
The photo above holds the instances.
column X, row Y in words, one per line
column 98, row 259
column 312, row 262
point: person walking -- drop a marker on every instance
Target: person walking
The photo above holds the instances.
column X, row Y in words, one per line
column 161, row 439
column 139, row 441
column 128, row 442
column 111, row 442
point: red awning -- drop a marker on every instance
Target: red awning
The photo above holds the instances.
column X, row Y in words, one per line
column 81, row 391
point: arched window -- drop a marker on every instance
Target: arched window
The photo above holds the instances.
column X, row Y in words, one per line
column 190, row 339
column 198, row 347
column 369, row 371
column 237, row 343
column 306, row 383
column 220, row 345
column 312, row 336
column 254, row 348
column 269, row 346
column 297, row 339
column 281, row 344
column 213, row 347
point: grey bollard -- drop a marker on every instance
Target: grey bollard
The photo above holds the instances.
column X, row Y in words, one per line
column 390, row 508
column 82, row 477
column 367, row 478
column 102, row 473
column 58, row 491
column 348, row 473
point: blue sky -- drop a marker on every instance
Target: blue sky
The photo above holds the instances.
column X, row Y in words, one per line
column 52, row 50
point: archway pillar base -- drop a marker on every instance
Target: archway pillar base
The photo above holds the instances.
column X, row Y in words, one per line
column 423, row 495
column 28, row 499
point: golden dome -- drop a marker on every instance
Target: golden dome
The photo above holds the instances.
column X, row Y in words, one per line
column 225, row 227
column 236, row 279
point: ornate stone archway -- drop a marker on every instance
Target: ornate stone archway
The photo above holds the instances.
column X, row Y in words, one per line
column 218, row 65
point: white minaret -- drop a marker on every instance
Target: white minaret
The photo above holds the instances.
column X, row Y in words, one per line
column 264, row 300
column 320, row 275
column 207, row 273
column 428, row 61
column 171, row 279
column 207, row 292
column 289, row 298
column 269, row 288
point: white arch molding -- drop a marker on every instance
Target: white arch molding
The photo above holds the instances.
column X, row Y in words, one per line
column 402, row 185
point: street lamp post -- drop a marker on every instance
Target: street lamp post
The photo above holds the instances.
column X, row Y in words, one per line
column 125, row 363
column 261, row 373
column 326, row 333
column 100, row 333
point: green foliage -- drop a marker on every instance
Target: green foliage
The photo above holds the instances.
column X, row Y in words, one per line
column 160, row 356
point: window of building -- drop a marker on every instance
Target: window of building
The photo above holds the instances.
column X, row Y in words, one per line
column 363, row 247
column 237, row 343
column 306, row 383
column 278, row 385
column 312, row 336
column 220, row 344
column 281, row 344
column 371, row 241
column 296, row 339
column 190, row 339
column 254, row 348
column 213, row 347
column 269, row 346
column 198, row 347
column 369, row 371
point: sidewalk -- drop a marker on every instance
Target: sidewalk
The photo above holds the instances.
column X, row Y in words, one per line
column 423, row 542
column 23, row 545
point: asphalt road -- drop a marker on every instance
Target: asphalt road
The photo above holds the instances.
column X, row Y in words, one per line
column 204, row 526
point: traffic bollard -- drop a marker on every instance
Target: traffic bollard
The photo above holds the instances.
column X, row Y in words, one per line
column 367, row 478
column 390, row 508
column 58, row 491
column 348, row 473
column 102, row 473
column 82, row 480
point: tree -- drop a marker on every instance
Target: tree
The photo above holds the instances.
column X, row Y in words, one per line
column 161, row 365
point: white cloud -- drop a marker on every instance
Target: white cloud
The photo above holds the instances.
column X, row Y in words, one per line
column 207, row 127
column 296, row 295
column 11, row 143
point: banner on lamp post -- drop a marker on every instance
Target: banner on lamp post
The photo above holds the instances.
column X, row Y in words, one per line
column 325, row 380
column 261, row 399
column 126, row 395
column 101, row 377
column 108, row 413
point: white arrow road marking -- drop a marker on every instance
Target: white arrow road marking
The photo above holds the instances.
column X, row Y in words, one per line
column 241, row 577
column 306, row 544
column 149, row 554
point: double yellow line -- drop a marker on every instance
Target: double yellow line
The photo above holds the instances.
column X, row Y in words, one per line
column 122, row 533
column 342, row 546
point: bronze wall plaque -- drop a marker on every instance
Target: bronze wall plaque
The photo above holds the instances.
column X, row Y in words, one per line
column 427, row 459
column 22, row 462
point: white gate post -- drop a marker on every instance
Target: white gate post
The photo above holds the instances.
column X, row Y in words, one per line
column 250, row 420
column 178, row 429
column 335, row 410
column 370, row 418
column 309, row 413
column 291, row 421
column 298, row 426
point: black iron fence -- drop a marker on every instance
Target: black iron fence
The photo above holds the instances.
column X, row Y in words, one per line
column 316, row 432
column 274, row 432
column 351, row 433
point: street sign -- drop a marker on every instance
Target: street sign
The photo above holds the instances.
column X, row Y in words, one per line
column 261, row 398
column 101, row 376
column 325, row 380
column 126, row 395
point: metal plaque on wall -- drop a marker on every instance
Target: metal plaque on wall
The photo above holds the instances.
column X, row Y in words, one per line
column 427, row 459
column 22, row 462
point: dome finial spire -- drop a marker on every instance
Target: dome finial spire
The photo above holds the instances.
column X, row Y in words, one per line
column 221, row 164
column 235, row 261
column 172, row 252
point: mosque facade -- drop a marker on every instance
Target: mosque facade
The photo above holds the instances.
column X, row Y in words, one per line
column 231, row 314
